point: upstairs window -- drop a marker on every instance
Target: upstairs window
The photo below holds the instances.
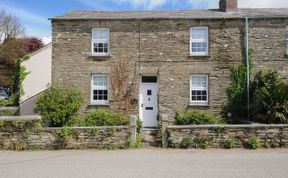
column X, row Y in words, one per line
column 199, row 43
column 99, row 89
column 199, row 89
column 100, row 42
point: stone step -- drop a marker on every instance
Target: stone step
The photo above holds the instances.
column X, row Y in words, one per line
column 151, row 137
column 150, row 131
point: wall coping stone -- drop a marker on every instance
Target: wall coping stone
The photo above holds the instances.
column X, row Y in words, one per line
column 227, row 126
column 9, row 108
column 21, row 118
column 83, row 128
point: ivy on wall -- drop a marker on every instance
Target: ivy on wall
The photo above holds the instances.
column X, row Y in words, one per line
column 237, row 91
column 16, row 82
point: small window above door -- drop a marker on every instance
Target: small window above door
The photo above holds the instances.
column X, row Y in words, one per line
column 149, row 79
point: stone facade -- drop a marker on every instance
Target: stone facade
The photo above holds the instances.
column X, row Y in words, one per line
column 161, row 47
column 27, row 134
column 269, row 135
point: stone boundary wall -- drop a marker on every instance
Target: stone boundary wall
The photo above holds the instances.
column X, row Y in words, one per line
column 28, row 134
column 269, row 135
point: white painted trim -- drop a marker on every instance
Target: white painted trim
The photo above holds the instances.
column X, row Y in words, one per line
column 199, row 103
column 99, row 102
column 206, row 40
column 92, row 42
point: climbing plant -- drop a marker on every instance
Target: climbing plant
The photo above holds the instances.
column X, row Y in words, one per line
column 16, row 82
column 237, row 91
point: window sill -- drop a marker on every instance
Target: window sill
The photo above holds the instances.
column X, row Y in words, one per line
column 98, row 57
column 199, row 104
column 199, row 56
column 99, row 104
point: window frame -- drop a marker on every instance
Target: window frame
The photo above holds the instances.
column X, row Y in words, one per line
column 92, row 88
column 95, row 40
column 199, row 103
column 206, row 53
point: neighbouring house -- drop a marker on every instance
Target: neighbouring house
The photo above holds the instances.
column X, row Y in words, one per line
column 38, row 79
column 182, row 59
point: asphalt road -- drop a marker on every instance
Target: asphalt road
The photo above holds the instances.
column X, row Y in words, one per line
column 158, row 163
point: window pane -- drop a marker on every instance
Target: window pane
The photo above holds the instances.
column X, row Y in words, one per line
column 199, row 81
column 149, row 79
column 199, row 40
column 199, row 95
column 100, row 40
column 100, row 80
column 100, row 94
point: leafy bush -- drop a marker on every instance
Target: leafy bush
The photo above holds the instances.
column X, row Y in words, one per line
column 64, row 133
column 59, row 106
column 269, row 98
column 186, row 143
column 201, row 142
column 103, row 117
column 139, row 124
column 138, row 141
column 254, row 143
column 197, row 118
column 229, row 144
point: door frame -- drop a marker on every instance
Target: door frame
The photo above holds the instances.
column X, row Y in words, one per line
column 157, row 94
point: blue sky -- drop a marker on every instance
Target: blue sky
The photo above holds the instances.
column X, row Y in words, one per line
column 34, row 14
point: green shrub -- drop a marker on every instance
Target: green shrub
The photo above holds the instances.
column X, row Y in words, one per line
column 186, row 143
column 103, row 117
column 138, row 141
column 237, row 90
column 8, row 111
column 59, row 106
column 64, row 133
column 197, row 118
column 269, row 98
column 201, row 142
column 254, row 143
column 229, row 144
column 139, row 124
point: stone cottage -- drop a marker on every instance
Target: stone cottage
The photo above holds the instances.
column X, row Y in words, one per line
column 180, row 59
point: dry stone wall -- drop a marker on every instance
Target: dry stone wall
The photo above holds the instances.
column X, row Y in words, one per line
column 269, row 135
column 29, row 135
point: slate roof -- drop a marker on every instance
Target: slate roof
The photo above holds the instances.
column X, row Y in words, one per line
column 175, row 14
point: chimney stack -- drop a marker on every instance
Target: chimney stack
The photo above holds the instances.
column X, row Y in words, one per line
column 228, row 5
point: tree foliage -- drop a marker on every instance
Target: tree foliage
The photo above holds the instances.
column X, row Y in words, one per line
column 16, row 82
column 269, row 98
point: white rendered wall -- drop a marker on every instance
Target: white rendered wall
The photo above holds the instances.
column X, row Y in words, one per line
column 39, row 66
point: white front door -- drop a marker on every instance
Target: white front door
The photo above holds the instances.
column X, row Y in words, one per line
column 148, row 101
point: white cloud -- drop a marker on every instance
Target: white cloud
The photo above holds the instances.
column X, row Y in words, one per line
column 25, row 15
column 263, row 3
column 46, row 39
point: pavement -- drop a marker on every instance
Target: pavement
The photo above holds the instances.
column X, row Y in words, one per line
column 148, row 163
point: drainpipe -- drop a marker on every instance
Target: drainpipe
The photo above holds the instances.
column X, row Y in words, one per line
column 247, row 65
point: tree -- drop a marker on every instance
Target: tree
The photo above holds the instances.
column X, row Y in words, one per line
column 11, row 50
column 123, row 90
column 32, row 44
column 10, row 26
